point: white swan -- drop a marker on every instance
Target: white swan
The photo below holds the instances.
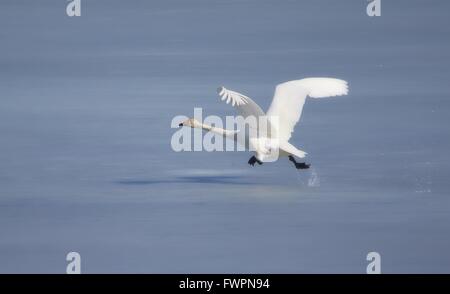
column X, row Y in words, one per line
column 281, row 118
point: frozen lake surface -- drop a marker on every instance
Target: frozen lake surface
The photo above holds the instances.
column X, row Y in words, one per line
column 86, row 163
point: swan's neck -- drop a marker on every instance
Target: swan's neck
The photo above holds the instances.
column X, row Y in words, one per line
column 215, row 130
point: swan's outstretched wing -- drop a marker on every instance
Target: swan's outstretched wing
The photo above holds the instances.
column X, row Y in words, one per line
column 289, row 98
column 243, row 104
column 255, row 118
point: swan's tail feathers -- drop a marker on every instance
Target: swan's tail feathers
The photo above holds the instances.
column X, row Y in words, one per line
column 291, row 149
column 324, row 87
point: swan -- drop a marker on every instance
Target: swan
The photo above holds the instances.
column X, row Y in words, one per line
column 281, row 117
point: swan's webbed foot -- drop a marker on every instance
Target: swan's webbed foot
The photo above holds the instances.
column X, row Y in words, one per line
column 299, row 165
column 253, row 160
column 302, row 165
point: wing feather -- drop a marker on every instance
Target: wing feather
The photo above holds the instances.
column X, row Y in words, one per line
column 289, row 99
column 246, row 108
column 243, row 104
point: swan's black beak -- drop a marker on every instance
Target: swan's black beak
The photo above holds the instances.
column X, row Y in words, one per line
column 180, row 125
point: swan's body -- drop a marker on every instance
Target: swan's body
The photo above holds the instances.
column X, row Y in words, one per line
column 278, row 123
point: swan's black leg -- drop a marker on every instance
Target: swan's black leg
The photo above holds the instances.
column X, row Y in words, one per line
column 299, row 165
column 253, row 160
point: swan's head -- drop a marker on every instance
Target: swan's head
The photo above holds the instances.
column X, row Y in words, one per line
column 192, row 122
